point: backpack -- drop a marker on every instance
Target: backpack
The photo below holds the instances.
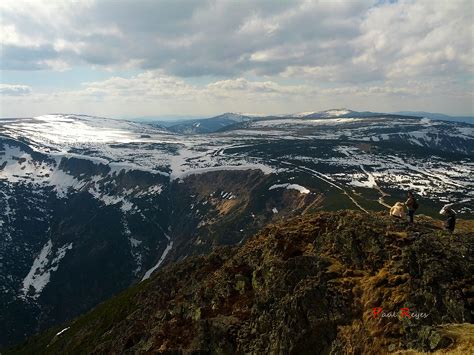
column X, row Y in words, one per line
column 415, row 204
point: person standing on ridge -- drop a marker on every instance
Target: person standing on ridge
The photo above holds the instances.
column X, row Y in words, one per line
column 450, row 222
column 412, row 205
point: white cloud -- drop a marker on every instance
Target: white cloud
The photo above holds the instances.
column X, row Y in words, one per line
column 298, row 52
column 156, row 86
column 418, row 38
column 155, row 92
column 14, row 90
column 184, row 38
column 227, row 38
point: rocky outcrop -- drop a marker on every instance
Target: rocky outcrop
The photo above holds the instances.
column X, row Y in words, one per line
column 343, row 282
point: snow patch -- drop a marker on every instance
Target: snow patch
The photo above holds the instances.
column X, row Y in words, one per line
column 44, row 264
column 62, row 331
column 162, row 258
column 288, row 186
column 264, row 168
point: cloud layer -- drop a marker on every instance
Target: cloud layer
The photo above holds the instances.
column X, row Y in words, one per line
column 301, row 51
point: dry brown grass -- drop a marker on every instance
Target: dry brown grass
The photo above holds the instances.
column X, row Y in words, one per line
column 461, row 335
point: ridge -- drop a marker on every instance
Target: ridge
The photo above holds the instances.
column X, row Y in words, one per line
column 311, row 283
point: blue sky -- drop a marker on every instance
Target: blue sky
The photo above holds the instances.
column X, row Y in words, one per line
column 149, row 58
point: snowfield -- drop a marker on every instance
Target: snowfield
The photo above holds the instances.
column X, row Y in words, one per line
column 128, row 146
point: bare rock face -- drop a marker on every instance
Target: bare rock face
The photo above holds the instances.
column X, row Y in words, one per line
column 325, row 283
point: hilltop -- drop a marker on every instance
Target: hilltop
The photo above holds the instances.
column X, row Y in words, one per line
column 308, row 284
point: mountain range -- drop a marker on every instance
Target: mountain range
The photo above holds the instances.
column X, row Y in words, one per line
column 91, row 205
column 438, row 116
column 207, row 125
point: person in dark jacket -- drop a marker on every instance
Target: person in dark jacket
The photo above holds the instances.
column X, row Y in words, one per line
column 450, row 222
column 412, row 205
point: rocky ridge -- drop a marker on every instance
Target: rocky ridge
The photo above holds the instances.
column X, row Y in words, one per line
column 309, row 284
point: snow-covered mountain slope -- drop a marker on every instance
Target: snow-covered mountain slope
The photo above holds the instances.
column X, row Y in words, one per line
column 121, row 145
column 89, row 205
column 423, row 132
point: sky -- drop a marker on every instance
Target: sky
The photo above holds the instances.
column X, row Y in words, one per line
column 134, row 58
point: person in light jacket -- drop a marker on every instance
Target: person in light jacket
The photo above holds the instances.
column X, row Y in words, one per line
column 398, row 210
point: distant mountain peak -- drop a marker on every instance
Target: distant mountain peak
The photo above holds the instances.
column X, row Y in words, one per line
column 230, row 115
column 239, row 115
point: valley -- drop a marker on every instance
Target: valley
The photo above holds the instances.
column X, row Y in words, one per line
column 90, row 205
